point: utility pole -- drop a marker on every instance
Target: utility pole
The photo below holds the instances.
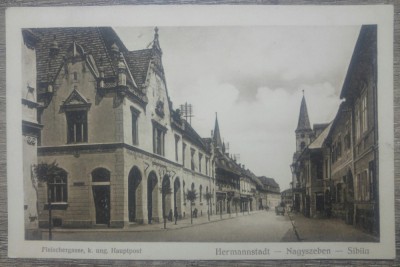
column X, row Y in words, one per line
column 187, row 112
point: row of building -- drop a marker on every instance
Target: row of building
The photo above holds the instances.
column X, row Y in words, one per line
column 335, row 166
column 124, row 155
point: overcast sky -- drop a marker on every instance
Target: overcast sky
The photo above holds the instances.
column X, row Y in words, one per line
column 253, row 78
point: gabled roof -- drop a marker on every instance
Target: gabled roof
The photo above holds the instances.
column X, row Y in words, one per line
column 222, row 161
column 304, row 121
column 364, row 54
column 75, row 98
column 319, row 141
column 268, row 181
column 95, row 41
column 138, row 62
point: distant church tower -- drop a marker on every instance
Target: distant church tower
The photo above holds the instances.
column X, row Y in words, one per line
column 304, row 133
column 217, row 137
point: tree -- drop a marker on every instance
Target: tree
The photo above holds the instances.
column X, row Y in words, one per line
column 208, row 197
column 191, row 196
column 46, row 172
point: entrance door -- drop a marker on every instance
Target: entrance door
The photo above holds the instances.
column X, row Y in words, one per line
column 134, row 195
column 101, row 195
column 177, row 195
column 319, row 205
column 152, row 197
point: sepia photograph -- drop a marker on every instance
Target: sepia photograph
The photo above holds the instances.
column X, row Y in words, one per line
column 165, row 133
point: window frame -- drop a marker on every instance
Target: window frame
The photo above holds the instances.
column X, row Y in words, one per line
column 72, row 121
column 135, row 125
column 60, row 186
column 159, row 132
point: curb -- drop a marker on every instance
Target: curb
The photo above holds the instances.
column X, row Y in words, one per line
column 77, row 230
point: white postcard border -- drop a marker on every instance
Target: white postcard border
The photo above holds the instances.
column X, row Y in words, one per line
column 382, row 15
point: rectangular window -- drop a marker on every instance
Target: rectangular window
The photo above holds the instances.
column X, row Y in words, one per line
column 207, row 163
column 364, row 113
column 357, row 123
column 326, row 168
column 159, row 139
column 176, row 147
column 77, row 127
column 372, row 181
column 135, row 117
column 183, row 153
column 200, row 159
column 347, row 141
column 57, row 189
column 192, row 165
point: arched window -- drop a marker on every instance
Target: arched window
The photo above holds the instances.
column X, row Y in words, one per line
column 201, row 192
column 100, row 175
column 57, row 186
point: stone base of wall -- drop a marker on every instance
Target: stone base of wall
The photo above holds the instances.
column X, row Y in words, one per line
column 33, row 234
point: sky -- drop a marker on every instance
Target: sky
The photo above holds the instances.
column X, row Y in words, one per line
column 253, row 78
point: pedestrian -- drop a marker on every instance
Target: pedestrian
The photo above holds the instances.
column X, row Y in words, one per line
column 176, row 214
column 170, row 215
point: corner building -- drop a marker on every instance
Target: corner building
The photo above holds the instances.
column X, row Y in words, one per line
column 127, row 156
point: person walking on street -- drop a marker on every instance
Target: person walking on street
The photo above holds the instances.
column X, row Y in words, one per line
column 176, row 214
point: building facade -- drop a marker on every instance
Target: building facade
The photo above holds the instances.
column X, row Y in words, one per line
column 337, row 173
column 271, row 191
column 360, row 92
column 304, row 136
column 126, row 154
column 30, row 133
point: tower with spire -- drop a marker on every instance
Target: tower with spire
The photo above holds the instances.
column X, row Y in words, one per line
column 217, row 140
column 304, row 133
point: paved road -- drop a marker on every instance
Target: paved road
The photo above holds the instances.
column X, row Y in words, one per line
column 256, row 227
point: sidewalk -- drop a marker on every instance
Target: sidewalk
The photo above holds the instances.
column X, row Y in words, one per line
column 182, row 223
column 326, row 230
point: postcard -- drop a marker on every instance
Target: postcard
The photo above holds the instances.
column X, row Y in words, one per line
column 200, row 132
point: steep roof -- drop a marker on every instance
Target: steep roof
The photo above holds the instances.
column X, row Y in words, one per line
column 193, row 136
column 138, row 62
column 269, row 181
column 95, row 41
column 319, row 141
column 364, row 58
column 304, row 121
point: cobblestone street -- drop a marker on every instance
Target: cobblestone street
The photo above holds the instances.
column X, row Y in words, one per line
column 259, row 226
column 326, row 230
